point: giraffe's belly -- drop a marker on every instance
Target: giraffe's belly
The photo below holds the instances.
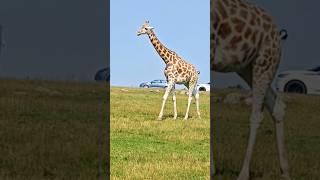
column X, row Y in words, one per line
column 178, row 79
column 182, row 75
column 182, row 80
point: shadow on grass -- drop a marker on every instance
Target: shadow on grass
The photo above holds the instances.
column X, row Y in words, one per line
column 179, row 118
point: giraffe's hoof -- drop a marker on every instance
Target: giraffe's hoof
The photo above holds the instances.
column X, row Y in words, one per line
column 243, row 176
column 159, row 118
column 285, row 177
column 185, row 118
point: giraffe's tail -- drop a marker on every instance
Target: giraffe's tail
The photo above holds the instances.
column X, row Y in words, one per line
column 283, row 34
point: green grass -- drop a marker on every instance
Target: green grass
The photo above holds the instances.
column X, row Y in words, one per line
column 302, row 127
column 52, row 130
column 144, row 148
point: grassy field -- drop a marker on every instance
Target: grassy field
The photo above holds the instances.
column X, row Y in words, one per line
column 52, row 130
column 302, row 129
column 57, row 130
column 144, row 148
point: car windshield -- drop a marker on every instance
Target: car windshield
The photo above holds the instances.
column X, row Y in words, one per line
column 316, row 69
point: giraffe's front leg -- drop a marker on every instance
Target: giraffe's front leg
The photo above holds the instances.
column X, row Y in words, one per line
column 164, row 99
column 175, row 114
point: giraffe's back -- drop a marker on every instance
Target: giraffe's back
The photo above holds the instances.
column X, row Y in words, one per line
column 240, row 32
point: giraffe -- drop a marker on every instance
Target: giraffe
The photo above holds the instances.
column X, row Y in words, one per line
column 245, row 40
column 177, row 71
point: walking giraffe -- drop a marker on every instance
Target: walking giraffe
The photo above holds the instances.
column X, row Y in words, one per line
column 245, row 40
column 177, row 71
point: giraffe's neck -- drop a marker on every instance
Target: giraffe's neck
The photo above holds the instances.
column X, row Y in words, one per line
column 165, row 53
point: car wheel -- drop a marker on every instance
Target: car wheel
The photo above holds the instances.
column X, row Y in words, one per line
column 202, row 89
column 295, row 86
column 146, row 86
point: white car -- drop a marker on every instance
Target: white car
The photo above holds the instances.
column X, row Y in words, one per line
column 204, row 87
column 303, row 82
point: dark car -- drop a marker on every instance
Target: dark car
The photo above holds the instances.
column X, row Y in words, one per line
column 155, row 83
column 102, row 75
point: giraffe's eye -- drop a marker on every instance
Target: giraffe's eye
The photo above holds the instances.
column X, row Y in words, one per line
column 145, row 28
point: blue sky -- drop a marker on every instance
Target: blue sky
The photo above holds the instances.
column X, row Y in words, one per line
column 182, row 26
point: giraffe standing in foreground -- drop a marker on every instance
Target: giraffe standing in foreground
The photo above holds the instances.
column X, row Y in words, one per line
column 177, row 71
column 245, row 40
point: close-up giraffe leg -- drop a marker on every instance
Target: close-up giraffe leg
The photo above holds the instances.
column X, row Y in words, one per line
column 284, row 165
column 276, row 107
column 256, row 118
column 260, row 83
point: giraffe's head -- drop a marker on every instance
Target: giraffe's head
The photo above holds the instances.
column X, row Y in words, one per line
column 145, row 28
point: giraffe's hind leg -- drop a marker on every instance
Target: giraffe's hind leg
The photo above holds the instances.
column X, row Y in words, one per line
column 276, row 107
column 256, row 118
column 191, row 88
column 260, row 80
column 197, row 95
